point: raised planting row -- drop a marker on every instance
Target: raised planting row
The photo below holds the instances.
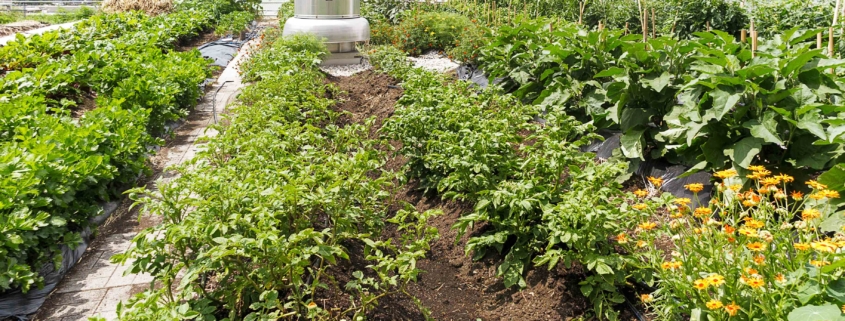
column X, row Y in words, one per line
column 80, row 110
column 259, row 224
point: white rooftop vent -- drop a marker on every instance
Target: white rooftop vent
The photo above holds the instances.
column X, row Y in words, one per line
column 338, row 21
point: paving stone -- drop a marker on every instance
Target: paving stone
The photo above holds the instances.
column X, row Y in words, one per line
column 118, row 279
column 75, row 303
column 108, row 315
column 82, row 284
column 113, row 297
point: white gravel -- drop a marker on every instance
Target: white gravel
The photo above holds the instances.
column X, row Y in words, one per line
column 434, row 61
column 346, row 70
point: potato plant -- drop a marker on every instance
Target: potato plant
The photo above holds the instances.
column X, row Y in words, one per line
column 254, row 224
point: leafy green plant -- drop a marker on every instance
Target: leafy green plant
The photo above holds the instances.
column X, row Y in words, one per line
column 258, row 219
column 234, row 22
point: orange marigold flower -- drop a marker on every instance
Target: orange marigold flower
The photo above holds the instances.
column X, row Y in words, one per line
column 640, row 206
column 819, row 263
column 703, row 211
column 622, row 238
column 756, row 246
column 646, row 298
column 694, row 187
column 683, row 201
column 676, row 215
column 700, row 284
column 715, row 279
column 749, row 203
column 760, row 259
column 732, row 309
column 641, row 244
column 816, row 185
column 796, row 195
column 647, row 225
column 714, row 304
column 780, row 195
column 728, row 173
column 751, row 271
column 731, row 239
column 780, row 278
column 673, row 265
column 729, row 229
column 657, row 182
column 801, row 246
column 810, row 213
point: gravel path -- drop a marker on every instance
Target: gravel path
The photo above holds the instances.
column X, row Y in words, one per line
column 434, row 61
column 346, row 70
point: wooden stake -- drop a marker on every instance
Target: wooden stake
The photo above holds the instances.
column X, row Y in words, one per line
column 626, row 29
column 708, row 27
column 581, row 14
column 742, row 34
column 600, row 25
column 653, row 28
column 753, row 40
column 644, row 21
column 819, row 44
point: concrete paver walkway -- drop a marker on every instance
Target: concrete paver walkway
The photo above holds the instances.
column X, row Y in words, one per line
column 95, row 285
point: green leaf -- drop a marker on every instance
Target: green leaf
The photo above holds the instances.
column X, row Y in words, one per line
column 834, row 178
column 632, row 143
column 656, row 82
column 632, row 117
column 767, row 130
column 800, row 61
column 827, row 312
column 808, row 291
column 723, row 101
column 743, row 151
column 836, row 289
column 612, row 71
column 602, row 268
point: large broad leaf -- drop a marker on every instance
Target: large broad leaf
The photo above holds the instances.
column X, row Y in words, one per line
column 800, row 61
column 632, row 143
column 811, row 122
column 807, row 292
column 632, row 117
column 656, row 82
column 836, row 290
column 610, row 72
column 743, row 151
column 833, row 223
column 724, row 99
column 827, row 312
column 834, row 178
column 714, row 149
column 766, row 130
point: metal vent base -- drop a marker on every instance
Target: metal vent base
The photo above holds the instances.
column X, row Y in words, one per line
column 339, row 35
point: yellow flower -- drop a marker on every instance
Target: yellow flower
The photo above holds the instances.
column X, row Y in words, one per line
column 676, row 215
column 817, row 196
column 732, row 309
column 810, row 213
column 682, row 201
column 756, row 246
column 641, row 244
column 673, row 265
column 641, row 193
column 694, row 187
column 640, row 206
column 748, row 232
column 780, row 278
column 755, row 224
column 756, row 168
column 760, row 259
column 646, row 298
column 715, row 279
column 770, row 181
column 785, row 178
column 755, row 282
column 647, row 225
column 728, row 173
column 700, row 284
column 819, row 263
column 830, row 194
column 312, row 305
column 622, row 238
column 714, row 304
column 432, row 33
column 816, row 185
column 801, row 246
column 824, row 246
column 702, row 211
column 735, row 187
column 657, row 182
column 780, row 195
column 751, row 271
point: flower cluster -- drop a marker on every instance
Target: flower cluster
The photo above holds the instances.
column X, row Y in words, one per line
column 754, row 251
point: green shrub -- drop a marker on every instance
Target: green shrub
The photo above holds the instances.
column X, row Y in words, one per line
column 234, row 23
column 429, row 30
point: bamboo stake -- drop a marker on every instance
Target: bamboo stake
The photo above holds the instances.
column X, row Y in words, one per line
column 581, row 14
column 819, row 44
column 753, row 40
column 830, row 45
column 653, row 28
column 645, row 26
column 708, row 27
column 600, row 26
column 642, row 26
column 742, row 34
column 626, row 29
